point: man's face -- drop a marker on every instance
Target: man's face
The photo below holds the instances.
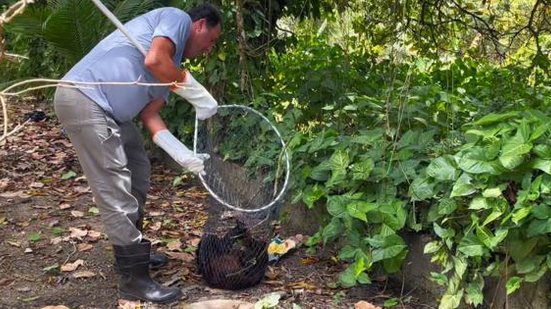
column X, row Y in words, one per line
column 202, row 39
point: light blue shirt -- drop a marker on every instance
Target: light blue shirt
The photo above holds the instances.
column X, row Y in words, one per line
column 115, row 59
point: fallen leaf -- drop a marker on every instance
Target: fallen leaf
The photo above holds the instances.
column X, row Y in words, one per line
column 365, row 305
column 55, row 307
column 94, row 235
column 28, row 250
column 6, row 281
column 302, row 285
column 155, row 226
column 195, row 242
column 72, row 266
column 84, row 247
column 77, row 213
column 77, row 233
column 174, row 245
column 20, row 194
column 65, row 206
column 84, row 274
column 186, row 257
column 13, row 243
column 129, row 304
column 36, row 185
column 56, row 240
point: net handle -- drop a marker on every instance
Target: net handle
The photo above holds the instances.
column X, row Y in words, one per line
column 285, row 154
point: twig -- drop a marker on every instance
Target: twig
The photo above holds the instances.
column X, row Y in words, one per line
column 70, row 254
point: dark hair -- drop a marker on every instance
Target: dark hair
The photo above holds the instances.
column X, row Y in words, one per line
column 208, row 11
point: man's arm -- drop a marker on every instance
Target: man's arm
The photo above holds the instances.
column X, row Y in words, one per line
column 163, row 138
column 151, row 118
column 158, row 61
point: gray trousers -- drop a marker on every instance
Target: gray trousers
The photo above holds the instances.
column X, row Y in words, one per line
column 113, row 159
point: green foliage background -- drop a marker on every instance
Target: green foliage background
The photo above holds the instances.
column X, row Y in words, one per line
column 400, row 116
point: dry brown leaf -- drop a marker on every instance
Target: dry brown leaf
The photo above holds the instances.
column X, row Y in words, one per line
column 64, row 206
column 155, row 226
column 94, row 235
column 77, row 233
column 36, row 185
column 129, row 304
column 72, row 266
column 20, row 194
column 174, row 245
column 84, row 247
column 56, row 240
column 77, row 213
column 55, row 307
column 13, row 243
column 84, row 274
column 194, row 242
column 365, row 305
column 186, row 257
column 302, row 285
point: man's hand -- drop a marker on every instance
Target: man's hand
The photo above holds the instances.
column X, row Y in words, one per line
column 180, row 153
column 205, row 105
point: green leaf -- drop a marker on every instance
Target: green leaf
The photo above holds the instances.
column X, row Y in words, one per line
column 471, row 246
column 421, row 189
column 339, row 161
column 474, row 291
column 312, row 194
column 332, row 231
column 463, row 186
column 542, row 165
column 392, row 246
column 495, row 118
column 451, row 301
column 347, row 277
column 513, row 284
column 492, row 192
column 447, row 206
column 443, row 168
column 68, row 175
column 538, row 227
column 514, row 151
column 336, row 205
column 34, row 237
column 432, row 247
column 359, row 209
column 478, row 203
column 362, row 170
column 269, row 301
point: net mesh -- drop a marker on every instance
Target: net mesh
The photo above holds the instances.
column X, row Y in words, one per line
column 246, row 176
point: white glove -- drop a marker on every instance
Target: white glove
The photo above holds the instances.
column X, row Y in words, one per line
column 205, row 105
column 180, row 153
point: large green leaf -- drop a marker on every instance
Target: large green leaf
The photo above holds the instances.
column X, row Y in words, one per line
column 443, row 168
column 463, row 186
column 514, row 150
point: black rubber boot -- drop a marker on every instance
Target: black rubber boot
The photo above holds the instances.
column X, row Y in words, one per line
column 135, row 282
column 156, row 261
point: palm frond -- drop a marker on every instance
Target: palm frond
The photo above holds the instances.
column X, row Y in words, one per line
column 30, row 23
column 73, row 27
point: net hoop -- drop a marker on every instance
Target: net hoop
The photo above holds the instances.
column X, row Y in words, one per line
column 285, row 157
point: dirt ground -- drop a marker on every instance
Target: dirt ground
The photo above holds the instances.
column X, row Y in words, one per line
column 53, row 251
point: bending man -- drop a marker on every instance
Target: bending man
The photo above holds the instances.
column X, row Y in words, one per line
column 98, row 120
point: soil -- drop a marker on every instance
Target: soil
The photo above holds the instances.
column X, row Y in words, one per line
column 53, row 251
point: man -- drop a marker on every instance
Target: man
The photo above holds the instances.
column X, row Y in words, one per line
column 98, row 120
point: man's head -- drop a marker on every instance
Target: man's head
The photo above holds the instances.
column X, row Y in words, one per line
column 205, row 30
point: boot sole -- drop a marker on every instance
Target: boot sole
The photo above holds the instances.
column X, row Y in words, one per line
column 134, row 297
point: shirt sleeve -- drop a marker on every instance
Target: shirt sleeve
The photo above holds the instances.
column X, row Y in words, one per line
column 175, row 25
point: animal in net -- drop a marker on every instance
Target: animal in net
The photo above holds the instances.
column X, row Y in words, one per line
column 237, row 260
column 243, row 171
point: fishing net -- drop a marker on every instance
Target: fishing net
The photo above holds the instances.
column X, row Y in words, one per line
column 246, row 176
